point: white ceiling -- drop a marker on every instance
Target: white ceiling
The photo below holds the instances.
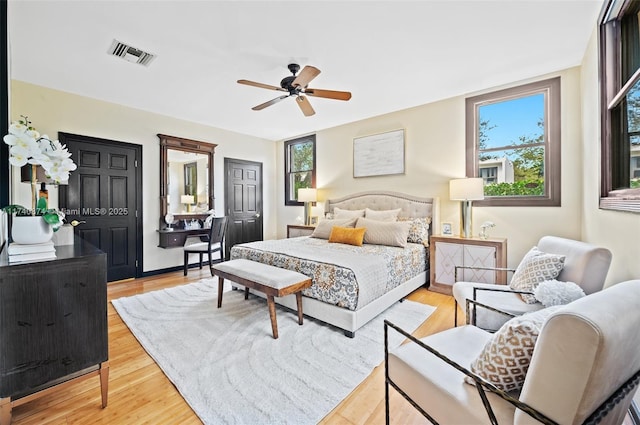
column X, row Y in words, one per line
column 391, row 55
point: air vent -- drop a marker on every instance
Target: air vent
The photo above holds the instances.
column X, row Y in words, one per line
column 130, row 54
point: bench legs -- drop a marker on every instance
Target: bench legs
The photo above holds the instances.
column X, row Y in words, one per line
column 270, row 303
column 299, row 303
column 272, row 315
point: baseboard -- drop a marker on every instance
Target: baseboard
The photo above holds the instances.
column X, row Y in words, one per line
column 162, row 271
column 175, row 269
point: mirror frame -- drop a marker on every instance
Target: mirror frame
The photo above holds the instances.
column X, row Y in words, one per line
column 185, row 145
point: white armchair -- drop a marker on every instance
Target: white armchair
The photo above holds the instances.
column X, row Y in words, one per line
column 489, row 306
column 584, row 367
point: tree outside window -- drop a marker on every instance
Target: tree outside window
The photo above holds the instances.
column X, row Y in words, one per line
column 513, row 143
column 300, row 167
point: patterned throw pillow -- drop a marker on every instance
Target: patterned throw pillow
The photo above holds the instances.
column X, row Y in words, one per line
column 505, row 358
column 418, row 229
column 535, row 267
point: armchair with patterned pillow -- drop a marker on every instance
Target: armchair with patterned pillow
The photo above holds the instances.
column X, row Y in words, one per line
column 571, row 364
column 579, row 263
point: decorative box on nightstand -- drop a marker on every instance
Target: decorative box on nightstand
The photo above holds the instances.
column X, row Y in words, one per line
column 447, row 252
column 296, row 230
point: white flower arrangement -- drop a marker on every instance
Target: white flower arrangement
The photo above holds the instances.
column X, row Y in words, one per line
column 27, row 146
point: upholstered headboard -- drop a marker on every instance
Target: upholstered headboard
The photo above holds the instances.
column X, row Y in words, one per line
column 411, row 206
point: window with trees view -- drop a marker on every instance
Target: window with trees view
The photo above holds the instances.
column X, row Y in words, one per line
column 620, row 107
column 300, row 167
column 513, row 143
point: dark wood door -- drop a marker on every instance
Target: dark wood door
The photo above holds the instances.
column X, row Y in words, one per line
column 104, row 195
column 243, row 201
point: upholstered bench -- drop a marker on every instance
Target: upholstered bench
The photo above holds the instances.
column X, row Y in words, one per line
column 270, row 280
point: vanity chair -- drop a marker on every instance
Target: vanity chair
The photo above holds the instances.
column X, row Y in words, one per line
column 214, row 243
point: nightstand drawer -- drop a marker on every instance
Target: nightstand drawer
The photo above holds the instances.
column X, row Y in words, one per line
column 297, row 230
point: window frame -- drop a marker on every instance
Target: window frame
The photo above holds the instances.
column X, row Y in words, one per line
column 287, row 167
column 551, row 88
column 613, row 91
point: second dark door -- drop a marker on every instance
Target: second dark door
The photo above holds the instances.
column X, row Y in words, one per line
column 243, row 201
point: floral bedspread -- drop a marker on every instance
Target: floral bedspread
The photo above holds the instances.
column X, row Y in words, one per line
column 343, row 275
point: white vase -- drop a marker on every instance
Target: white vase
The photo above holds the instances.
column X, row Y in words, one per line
column 30, row 230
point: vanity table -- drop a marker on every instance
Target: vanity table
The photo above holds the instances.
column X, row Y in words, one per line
column 176, row 237
column 53, row 324
column 186, row 172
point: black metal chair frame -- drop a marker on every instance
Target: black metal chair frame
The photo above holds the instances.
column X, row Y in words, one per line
column 483, row 387
column 211, row 239
column 473, row 301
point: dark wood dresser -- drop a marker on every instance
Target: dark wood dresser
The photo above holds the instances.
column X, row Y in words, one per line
column 53, row 324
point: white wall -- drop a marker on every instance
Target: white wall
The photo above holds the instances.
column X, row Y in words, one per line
column 51, row 111
column 618, row 231
column 435, row 153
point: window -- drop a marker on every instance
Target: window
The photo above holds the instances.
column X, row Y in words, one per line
column 513, row 143
column 489, row 174
column 300, row 167
column 620, row 107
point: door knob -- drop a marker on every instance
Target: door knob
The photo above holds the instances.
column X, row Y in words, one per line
column 74, row 223
column 258, row 215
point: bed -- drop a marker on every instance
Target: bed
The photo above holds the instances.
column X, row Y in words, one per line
column 353, row 284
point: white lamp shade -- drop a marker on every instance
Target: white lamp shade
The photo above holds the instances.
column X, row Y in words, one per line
column 187, row 199
column 307, row 195
column 470, row 189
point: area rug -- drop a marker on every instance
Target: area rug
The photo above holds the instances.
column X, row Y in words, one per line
column 228, row 367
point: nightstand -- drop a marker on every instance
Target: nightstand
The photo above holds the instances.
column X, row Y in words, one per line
column 296, row 230
column 447, row 252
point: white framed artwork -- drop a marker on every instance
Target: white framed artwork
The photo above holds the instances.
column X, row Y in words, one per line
column 379, row 154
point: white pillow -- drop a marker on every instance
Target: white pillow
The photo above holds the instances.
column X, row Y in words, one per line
column 340, row 213
column 555, row 292
column 505, row 358
column 391, row 233
column 535, row 267
column 323, row 228
column 382, row 215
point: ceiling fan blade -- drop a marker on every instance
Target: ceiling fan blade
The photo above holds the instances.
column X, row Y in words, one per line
column 329, row 94
column 262, row 86
column 269, row 103
column 307, row 74
column 305, row 106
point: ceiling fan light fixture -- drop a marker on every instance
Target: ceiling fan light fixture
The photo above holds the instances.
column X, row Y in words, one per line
column 297, row 86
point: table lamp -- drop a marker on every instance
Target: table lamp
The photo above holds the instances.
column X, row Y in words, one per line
column 188, row 200
column 466, row 191
column 307, row 195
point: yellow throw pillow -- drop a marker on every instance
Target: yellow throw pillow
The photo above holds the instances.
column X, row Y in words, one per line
column 347, row 235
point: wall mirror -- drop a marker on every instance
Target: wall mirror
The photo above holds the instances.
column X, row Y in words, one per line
column 186, row 178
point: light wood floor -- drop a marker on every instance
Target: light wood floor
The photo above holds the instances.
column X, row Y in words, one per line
column 139, row 392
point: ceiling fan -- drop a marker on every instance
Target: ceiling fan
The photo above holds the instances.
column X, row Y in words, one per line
column 297, row 86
